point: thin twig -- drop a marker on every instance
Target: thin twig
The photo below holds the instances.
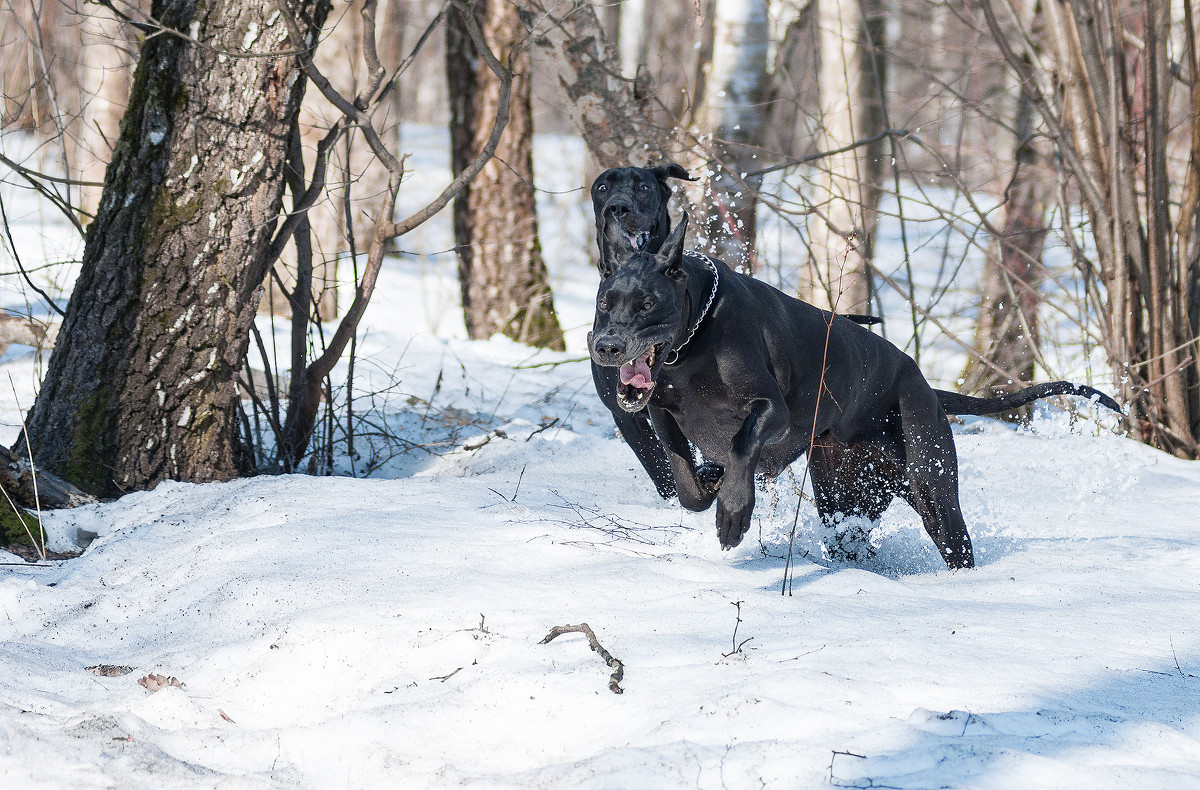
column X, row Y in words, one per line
column 737, row 647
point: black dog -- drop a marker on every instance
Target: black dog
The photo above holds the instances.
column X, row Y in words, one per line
column 754, row 379
column 630, row 204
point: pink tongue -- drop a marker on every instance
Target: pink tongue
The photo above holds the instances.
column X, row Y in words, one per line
column 637, row 374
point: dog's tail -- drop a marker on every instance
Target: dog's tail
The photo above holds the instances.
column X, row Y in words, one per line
column 956, row 403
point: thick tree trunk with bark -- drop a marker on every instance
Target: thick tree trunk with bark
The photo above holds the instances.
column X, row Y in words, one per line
column 140, row 387
column 505, row 285
column 846, row 191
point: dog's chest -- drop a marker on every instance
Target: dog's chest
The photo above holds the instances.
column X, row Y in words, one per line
column 705, row 409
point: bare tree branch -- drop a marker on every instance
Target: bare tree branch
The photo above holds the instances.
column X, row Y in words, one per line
column 585, row 629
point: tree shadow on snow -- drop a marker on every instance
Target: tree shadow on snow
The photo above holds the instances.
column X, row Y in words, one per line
column 1144, row 713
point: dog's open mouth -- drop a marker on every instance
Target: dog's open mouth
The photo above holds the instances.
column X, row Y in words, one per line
column 637, row 381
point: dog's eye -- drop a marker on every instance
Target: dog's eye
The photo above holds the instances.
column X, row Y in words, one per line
column 602, row 188
column 646, row 305
column 643, row 187
column 602, row 305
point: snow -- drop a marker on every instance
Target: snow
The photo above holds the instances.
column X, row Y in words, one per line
column 343, row 632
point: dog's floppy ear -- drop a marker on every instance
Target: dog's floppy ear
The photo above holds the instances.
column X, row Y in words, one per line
column 671, row 170
column 670, row 257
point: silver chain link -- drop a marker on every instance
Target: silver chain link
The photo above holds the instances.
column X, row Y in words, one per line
column 672, row 356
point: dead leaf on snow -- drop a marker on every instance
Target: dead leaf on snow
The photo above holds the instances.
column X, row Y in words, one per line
column 156, row 682
column 110, row 670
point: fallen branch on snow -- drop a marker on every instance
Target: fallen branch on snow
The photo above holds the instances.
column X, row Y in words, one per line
column 49, row 492
column 585, row 629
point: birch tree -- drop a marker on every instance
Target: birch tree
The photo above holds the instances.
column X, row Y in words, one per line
column 734, row 115
column 845, row 191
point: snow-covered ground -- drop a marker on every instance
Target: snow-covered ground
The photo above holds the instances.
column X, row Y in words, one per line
column 333, row 632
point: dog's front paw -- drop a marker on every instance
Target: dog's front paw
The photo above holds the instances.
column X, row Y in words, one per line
column 733, row 520
column 710, row 476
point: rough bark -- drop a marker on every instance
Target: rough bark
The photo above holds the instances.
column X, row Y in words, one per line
column 505, row 285
column 47, row 492
column 845, row 190
column 140, row 387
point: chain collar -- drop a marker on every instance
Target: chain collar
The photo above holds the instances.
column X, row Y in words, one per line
column 672, row 356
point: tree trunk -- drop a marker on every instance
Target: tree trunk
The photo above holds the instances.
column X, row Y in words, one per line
column 1187, row 245
column 794, row 93
column 140, row 387
column 631, row 40
column 505, row 286
column 734, row 114
column 845, row 192
column 604, row 106
column 1006, row 333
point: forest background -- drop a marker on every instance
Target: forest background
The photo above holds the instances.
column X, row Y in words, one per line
column 1049, row 150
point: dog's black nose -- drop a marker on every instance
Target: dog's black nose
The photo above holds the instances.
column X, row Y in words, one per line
column 608, row 350
column 619, row 206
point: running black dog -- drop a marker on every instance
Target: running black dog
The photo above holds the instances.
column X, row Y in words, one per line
column 754, row 378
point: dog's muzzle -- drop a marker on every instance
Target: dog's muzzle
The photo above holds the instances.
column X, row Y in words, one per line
column 619, row 212
column 636, row 371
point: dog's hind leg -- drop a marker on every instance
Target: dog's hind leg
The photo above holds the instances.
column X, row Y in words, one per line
column 931, row 470
column 851, row 483
column 853, row 480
